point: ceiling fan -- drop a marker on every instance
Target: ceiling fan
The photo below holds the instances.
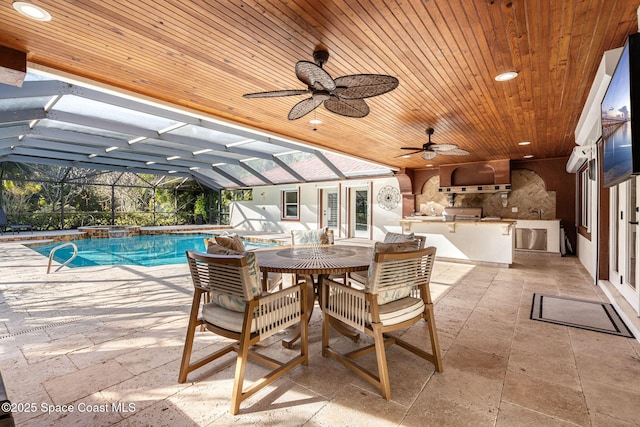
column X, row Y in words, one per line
column 344, row 95
column 431, row 149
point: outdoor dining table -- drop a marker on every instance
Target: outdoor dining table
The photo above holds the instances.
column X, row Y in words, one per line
column 313, row 261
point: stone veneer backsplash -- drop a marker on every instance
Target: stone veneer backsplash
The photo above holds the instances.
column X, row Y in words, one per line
column 527, row 193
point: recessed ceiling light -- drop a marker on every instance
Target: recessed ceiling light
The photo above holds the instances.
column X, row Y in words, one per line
column 528, row 156
column 430, row 165
column 509, row 75
column 31, row 11
column 524, row 143
column 406, row 156
column 315, row 121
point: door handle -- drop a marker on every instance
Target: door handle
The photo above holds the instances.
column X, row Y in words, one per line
column 633, row 222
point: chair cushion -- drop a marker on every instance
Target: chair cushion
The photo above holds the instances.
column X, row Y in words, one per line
column 400, row 310
column 224, row 318
column 385, row 297
column 231, row 241
column 216, row 249
column 398, row 237
column 310, row 237
column 406, row 246
column 253, row 287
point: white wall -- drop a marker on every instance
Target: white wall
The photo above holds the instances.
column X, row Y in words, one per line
column 587, row 254
column 263, row 213
column 587, row 134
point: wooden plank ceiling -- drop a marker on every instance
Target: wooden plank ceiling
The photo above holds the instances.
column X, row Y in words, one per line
column 205, row 55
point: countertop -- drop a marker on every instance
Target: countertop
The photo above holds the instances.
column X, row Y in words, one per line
column 487, row 220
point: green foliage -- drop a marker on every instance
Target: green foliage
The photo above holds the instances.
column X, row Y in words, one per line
column 17, row 197
column 199, row 207
column 229, row 196
column 34, row 194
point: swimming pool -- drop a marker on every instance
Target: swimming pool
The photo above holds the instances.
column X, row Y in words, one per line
column 146, row 250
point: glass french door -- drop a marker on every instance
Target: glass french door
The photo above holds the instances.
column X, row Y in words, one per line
column 359, row 215
column 624, row 241
column 330, row 206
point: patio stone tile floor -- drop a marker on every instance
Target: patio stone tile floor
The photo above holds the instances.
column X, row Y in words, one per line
column 107, row 342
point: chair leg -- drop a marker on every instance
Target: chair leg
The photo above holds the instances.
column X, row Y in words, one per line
column 241, row 363
column 381, row 357
column 188, row 342
column 304, row 331
column 207, row 300
column 325, row 335
column 433, row 335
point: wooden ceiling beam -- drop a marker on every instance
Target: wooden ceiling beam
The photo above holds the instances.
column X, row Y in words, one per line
column 13, row 66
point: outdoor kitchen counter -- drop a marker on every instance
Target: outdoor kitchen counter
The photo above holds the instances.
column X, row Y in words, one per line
column 485, row 241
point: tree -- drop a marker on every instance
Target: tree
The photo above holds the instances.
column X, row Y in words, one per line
column 200, row 209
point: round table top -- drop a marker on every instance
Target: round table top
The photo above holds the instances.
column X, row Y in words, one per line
column 316, row 259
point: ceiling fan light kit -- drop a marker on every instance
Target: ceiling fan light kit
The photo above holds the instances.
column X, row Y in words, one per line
column 428, row 155
column 343, row 96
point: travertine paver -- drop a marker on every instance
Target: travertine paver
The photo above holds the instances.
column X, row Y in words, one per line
column 107, row 342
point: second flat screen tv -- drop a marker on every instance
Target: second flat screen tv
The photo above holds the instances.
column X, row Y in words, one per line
column 620, row 123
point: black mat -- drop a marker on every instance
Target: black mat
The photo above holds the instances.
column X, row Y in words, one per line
column 591, row 315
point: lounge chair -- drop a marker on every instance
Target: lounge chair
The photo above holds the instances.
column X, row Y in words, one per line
column 4, row 224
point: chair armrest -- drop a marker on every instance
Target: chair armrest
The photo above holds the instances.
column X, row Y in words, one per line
column 344, row 303
column 279, row 310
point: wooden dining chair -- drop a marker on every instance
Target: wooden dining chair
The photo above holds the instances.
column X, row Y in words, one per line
column 239, row 310
column 232, row 245
column 360, row 277
column 320, row 236
column 395, row 296
column 310, row 237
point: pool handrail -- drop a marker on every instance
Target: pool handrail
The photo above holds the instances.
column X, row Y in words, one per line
column 53, row 251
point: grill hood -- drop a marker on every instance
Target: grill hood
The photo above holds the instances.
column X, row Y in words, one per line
column 481, row 177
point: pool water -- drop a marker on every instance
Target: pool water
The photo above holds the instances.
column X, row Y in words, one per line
column 146, row 251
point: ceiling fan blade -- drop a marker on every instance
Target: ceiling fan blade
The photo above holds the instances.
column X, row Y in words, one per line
column 347, row 107
column 304, row 107
column 314, row 76
column 358, row 86
column 412, row 148
column 440, row 148
column 408, row 154
column 275, row 93
column 454, row 152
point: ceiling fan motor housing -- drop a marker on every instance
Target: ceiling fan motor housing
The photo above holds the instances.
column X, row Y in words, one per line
column 320, row 57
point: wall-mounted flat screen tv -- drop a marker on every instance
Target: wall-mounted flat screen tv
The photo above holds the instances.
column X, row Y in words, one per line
column 621, row 117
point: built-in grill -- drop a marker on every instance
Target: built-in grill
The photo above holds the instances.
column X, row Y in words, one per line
column 462, row 214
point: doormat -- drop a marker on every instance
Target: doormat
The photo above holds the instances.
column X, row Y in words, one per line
column 590, row 315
